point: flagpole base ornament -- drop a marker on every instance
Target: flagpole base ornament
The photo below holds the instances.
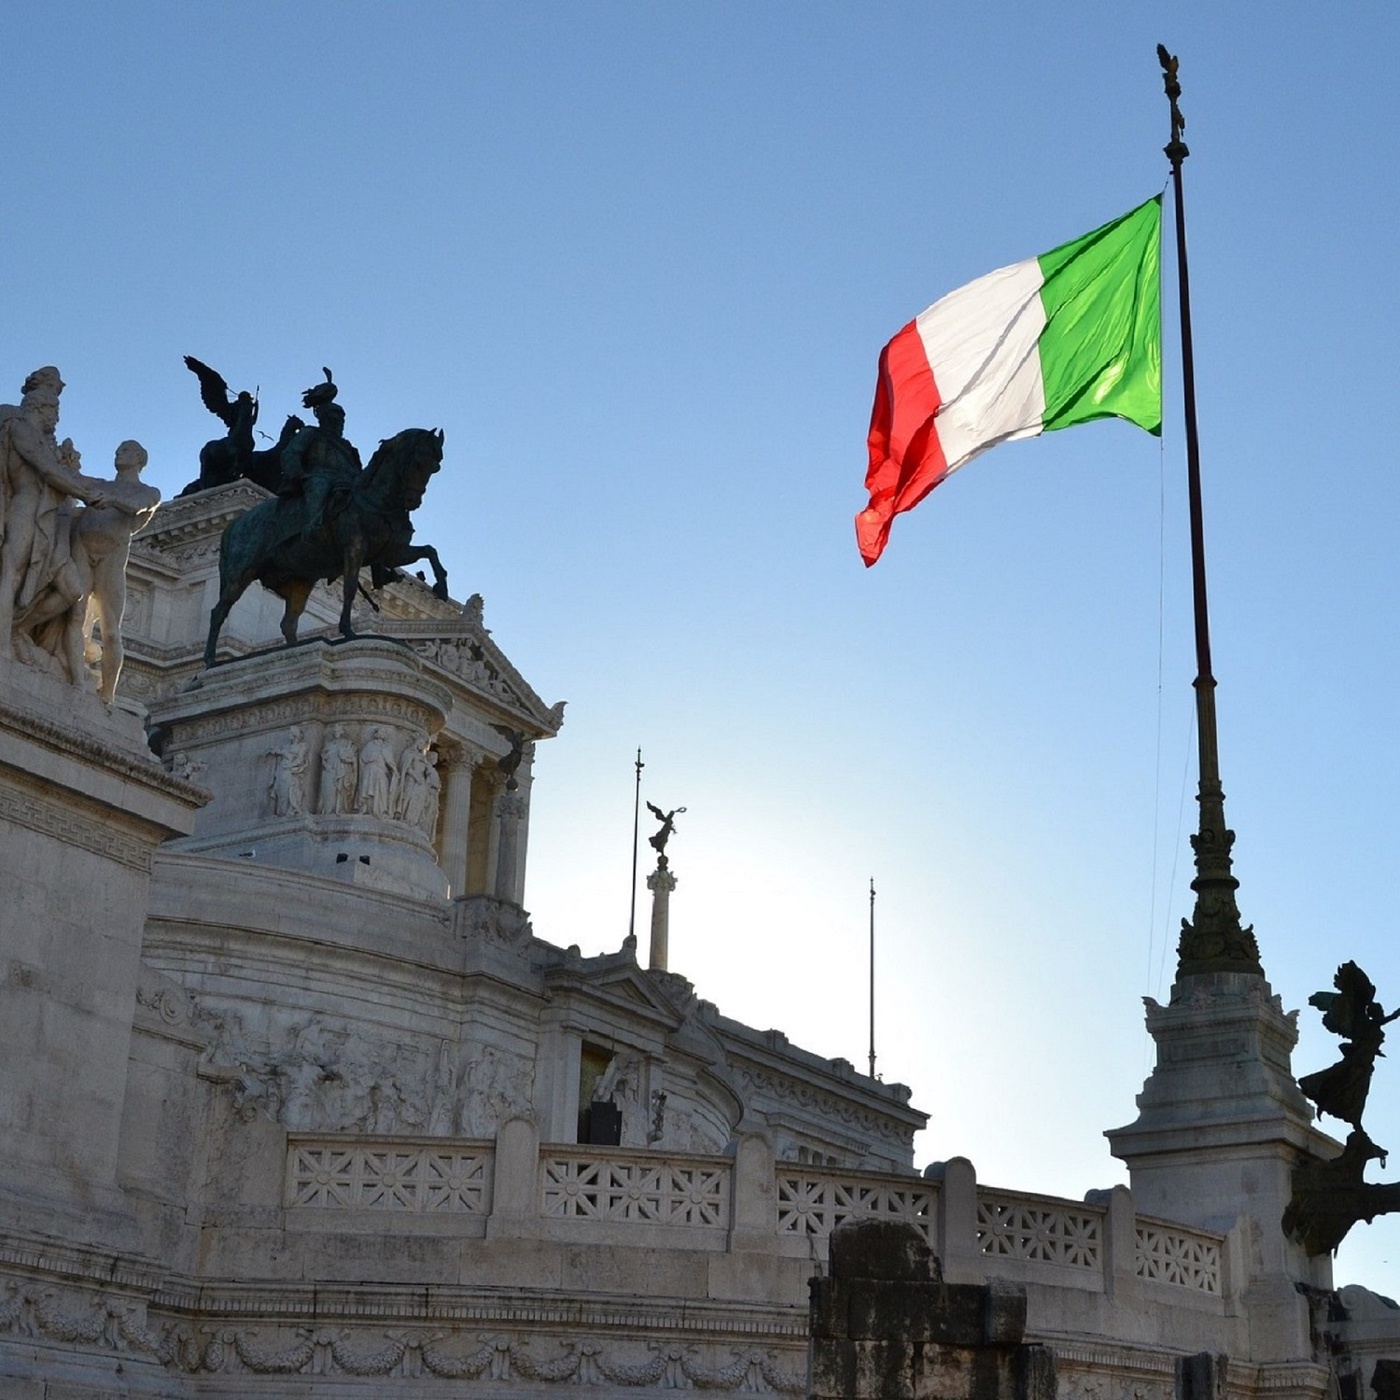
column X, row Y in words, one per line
column 1214, row 940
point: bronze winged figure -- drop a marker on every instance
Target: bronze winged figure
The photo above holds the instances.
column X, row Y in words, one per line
column 227, row 458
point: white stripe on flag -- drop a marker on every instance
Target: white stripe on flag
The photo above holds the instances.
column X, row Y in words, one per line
column 982, row 345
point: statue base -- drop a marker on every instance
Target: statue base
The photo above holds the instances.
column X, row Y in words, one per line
column 230, row 723
column 83, row 806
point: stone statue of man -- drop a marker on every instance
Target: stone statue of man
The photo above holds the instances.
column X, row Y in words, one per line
column 339, row 764
column 38, row 476
column 287, row 787
column 89, row 585
column 378, row 771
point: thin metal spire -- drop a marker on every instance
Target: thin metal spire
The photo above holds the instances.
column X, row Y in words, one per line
column 1212, row 940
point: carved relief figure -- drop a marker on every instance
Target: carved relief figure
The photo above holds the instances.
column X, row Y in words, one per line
column 89, row 587
column 287, row 787
column 497, row 1088
column 419, row 787
column 375, row 794
column 339, row 765
column 444, row 1092
column 190, row 769
column 432, row 800
column 408, row 803
column 37, row 478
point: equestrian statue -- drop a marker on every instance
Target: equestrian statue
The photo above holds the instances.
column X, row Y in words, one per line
column 331, row 519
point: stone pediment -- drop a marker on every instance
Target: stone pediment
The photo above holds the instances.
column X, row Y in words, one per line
column 613, row 978
column 454, row 641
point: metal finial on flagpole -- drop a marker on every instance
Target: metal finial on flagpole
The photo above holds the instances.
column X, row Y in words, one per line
column 1212, row 940
column 636, row 819
column 872, row 977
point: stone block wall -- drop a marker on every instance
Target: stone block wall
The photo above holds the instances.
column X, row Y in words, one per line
column 885, row 1326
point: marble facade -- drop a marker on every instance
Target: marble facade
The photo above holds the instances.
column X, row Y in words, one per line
column 297, row 1102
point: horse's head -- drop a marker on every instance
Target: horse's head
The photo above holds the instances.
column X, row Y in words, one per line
column 402, row 464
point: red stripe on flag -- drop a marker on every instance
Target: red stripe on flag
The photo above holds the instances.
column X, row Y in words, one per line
column 906, row 458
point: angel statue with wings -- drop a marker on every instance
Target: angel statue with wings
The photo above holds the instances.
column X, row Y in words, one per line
column 668, row 825
column 227, row 458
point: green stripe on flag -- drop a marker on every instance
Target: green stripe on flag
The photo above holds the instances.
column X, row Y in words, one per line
column 1101, row 349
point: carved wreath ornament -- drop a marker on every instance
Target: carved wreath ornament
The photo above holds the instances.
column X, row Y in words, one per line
column 117, row 1325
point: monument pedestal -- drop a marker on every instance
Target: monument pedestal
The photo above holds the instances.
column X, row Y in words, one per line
column 261, row 732
column 83, row 805
column 1222, row 1124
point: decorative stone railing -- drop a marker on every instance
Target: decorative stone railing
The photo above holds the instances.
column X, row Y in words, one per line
column 657, row 1190
column 814, row 1204
column 1175, row 1255
column 427, row 1177
column 1040, row 1230
column 622, row 1196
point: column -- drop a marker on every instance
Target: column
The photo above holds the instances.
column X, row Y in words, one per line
column 510, row 814
column 454, row 831
column 660, row 882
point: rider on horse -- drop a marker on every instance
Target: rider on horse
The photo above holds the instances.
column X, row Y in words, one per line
column 319, row 460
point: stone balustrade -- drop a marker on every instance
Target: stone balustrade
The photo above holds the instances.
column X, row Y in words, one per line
column 654, row 1200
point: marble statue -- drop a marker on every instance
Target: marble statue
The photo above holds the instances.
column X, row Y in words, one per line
column 89, row 587
column 432, row 800
column 287, row 787
column 339, row 765
column 415, row 785
column 375, row 794
column 38, row 477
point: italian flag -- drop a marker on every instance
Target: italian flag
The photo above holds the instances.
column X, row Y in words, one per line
column 1072, row 335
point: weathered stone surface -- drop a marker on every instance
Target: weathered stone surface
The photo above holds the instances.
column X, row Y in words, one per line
column 884, row 1324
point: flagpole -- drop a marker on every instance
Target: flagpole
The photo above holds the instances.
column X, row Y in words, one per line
column 872, row 977
column 1213, row 939
column 636, row 821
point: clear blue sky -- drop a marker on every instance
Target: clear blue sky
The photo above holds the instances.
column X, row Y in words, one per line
column 638, row 262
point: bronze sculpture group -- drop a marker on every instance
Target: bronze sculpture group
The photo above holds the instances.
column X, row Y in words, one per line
column 330, row 516
column 1329, row 1197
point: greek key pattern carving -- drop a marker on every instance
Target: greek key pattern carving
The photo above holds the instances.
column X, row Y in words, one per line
column 654, row 1190
column 1009, row 1228
column 1172, row 1255
column 62, row 823
column 816, row 1204
column 423, row 1180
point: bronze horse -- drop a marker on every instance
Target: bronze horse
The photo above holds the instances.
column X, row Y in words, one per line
column 369, row 526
